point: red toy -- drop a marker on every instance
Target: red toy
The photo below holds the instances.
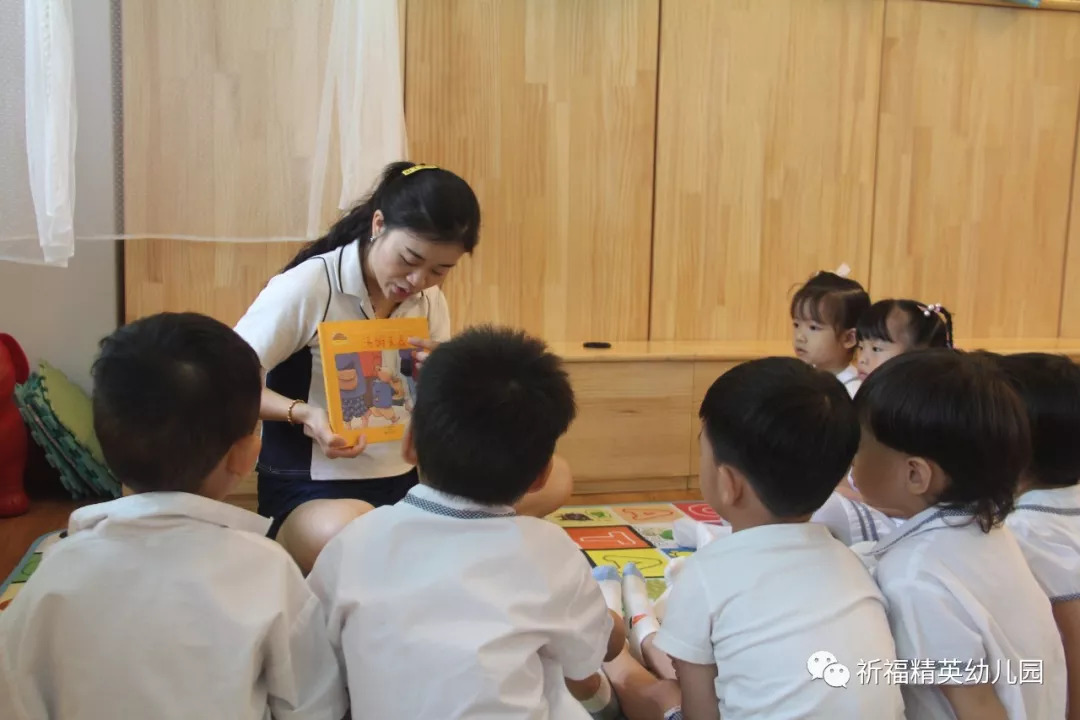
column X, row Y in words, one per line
column 14, row 369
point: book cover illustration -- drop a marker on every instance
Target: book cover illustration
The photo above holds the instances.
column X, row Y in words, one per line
column 369, row 374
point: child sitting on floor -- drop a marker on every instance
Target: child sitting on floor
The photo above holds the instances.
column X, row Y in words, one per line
column 168, row 603
column 944, row 440
column 894, row 327
column 483, row 612
column 1046, row 521
column 824, row 312
column 763, row 622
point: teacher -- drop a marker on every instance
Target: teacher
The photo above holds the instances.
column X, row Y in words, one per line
column 385, row 258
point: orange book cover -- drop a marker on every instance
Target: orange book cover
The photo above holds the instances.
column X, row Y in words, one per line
column 369, row 370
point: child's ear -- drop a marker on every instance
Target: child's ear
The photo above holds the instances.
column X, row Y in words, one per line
column 244, row 455
column 730, row 485
column 408, row 449
column 542, row 478
column 849, row 339
column 920, row 475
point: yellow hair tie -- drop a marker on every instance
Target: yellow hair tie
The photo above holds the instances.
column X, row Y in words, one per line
column 418, row 168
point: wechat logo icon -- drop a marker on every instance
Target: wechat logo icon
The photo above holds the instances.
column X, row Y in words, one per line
column 823, row 665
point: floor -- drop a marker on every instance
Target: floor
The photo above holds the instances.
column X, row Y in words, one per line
column 17, row 533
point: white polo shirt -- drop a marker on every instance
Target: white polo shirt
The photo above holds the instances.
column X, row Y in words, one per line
column 959, row 597
column 853, row 522
column 444, row 608
column 282, row 325
column 167, row 605
column 760, row 603
column 1046, row 524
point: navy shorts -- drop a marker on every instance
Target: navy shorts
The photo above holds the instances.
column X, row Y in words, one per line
column 279, row 496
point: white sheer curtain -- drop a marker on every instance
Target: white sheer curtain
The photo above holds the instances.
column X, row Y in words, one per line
column 363, row 73
column 352, row 104
column 37, row 131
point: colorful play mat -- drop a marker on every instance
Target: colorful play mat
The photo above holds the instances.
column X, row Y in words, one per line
column 22, row 572
column 641, row 533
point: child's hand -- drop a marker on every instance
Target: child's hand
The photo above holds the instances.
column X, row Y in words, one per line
column 317, row 427
column 424, row 348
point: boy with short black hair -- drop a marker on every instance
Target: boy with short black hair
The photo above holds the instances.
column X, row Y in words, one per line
column 484, row 612
column 169, row 603
column 772, row 620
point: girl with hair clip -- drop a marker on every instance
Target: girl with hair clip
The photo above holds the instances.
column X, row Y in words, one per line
column 387, row 257
column 894, row 327
column 887, row 329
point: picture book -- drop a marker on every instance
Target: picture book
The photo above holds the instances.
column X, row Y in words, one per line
column 369, row 373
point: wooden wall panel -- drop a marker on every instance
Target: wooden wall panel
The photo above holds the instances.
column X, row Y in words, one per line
column 217, row 279
column 977, row 132
column 765, row 158
column 220, row 113
column 547, row 108
column 1070, row 303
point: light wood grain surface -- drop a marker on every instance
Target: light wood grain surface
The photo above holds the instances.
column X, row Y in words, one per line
column 1070, row 301
column 977, row 132
column 765, row 158
column 219, row 133
column 547, row 108
column 631, row 424
column 1068, row 5
column 765, row 172
column 706, row 351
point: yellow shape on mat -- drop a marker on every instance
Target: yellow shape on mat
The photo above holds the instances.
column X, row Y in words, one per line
column 650, row 561
column 661, row 513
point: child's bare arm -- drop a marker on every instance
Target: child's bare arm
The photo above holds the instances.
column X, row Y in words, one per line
column 1067, row 616
column 698, row 686
column 617, row 639
column 974, row 702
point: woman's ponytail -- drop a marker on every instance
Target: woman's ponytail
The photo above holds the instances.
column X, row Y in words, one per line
column 428, row 201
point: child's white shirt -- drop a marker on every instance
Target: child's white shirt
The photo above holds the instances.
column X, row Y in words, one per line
column 1046, row 524
column 853, row 522
column 849, row 376
column 760, row 603
column 445, row 608
column 966, row 601
column 167, row 605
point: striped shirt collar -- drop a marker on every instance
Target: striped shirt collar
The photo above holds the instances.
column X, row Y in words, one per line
column 1056, row 501
column 934, row 517
column 439, row 503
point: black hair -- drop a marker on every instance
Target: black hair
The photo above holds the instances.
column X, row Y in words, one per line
column 790, row 429
column 957, row 410
column 1049, row 386
column 429, row 202
column 926, row 326
column 830, row 299
column 172, row 393
column 491, row 405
